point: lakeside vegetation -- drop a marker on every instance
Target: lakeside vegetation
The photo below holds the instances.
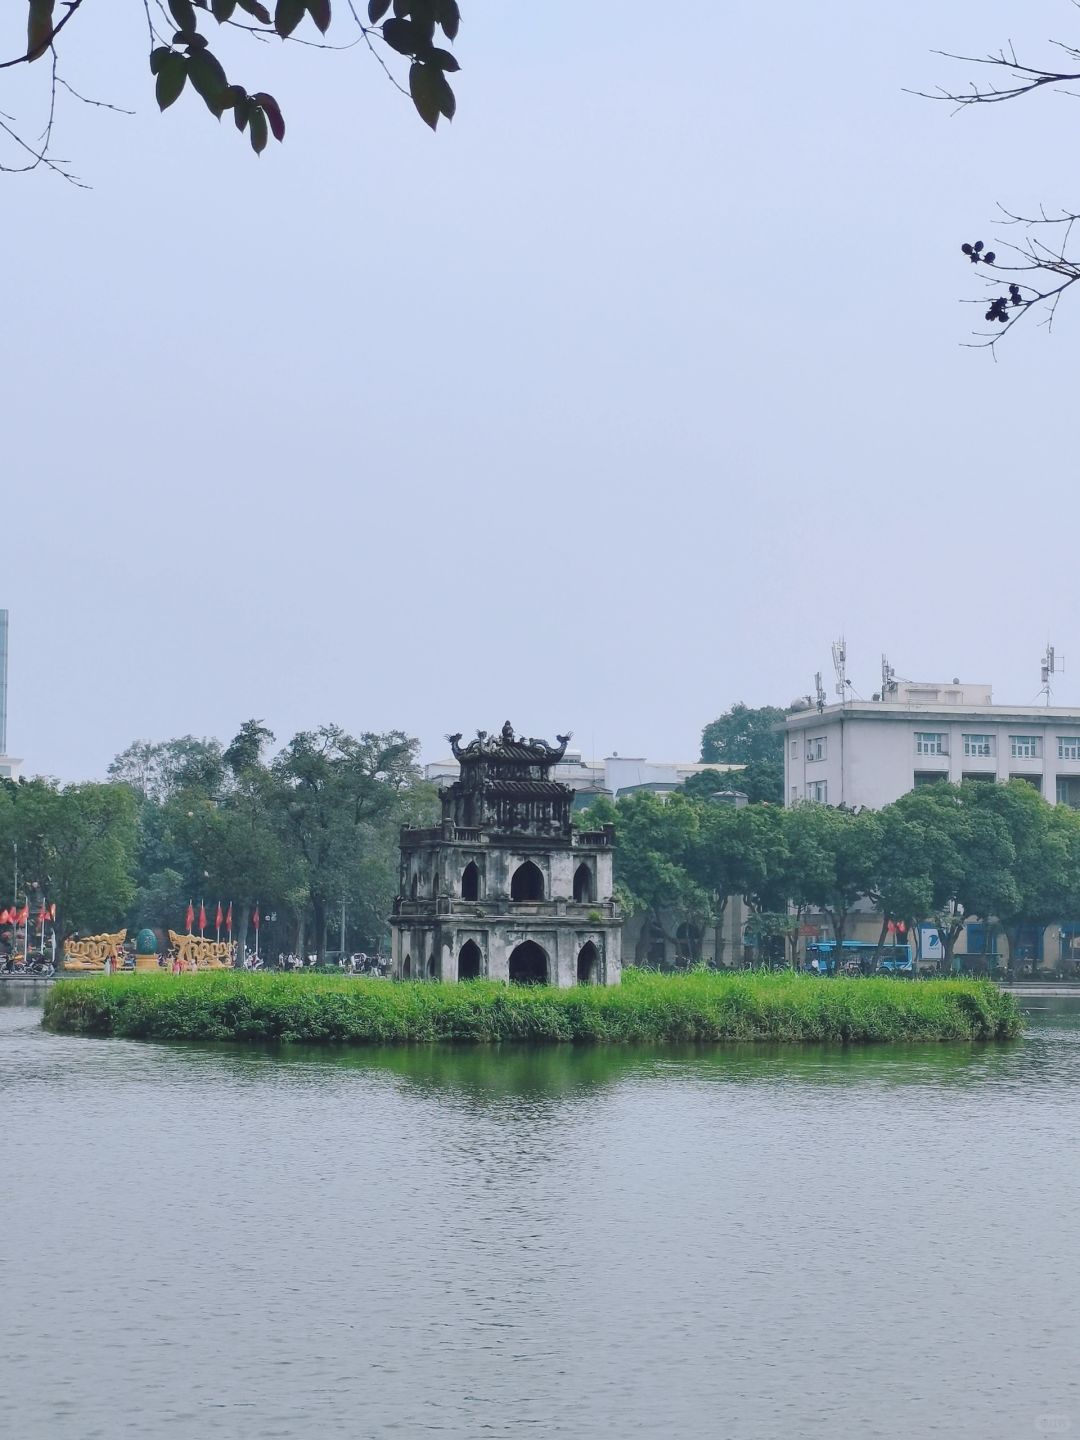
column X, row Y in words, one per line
column 700, row 1006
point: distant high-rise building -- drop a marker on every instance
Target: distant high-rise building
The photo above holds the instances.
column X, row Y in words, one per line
column 9, row 767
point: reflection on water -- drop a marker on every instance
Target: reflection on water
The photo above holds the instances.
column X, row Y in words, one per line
column 751, row 1241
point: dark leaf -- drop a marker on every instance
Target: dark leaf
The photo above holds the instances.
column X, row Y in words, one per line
column 39, row 28
column 989, row 257
column 377, row 9
column 209, row 80
column 448, row 16
column 242, row 112
column 447, row 103
column 424, row 94
column 222, row 10
column 257, row 9
column 257, row 130
column 184, row 15
column 287, row 15
column 966, row 249
column 156, row 57
column 273, row 113
column 400, row 36
column 977, row 246
column 172, row 72
column 402, row 8
column 319, row 10
column 443, row 59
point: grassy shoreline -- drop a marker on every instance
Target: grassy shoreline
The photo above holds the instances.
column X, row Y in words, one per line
column 645, row 1008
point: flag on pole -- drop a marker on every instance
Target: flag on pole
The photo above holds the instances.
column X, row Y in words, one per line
column 218, row 916
column 24, row 914
column 255, row 919
column 52, row 912
column 189, row 918
column 228, row 918
column 202, row 917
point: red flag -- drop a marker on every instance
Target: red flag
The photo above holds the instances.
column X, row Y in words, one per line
column 189, row 918
column 24, row 915
column 5, row 918
column 255, row 918
column 43, row 914
column 202, row 917
column 217, row 917
column 228, row 918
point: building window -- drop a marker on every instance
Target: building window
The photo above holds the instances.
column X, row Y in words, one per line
column 1024, row 747
column 794, row 793
column 929, row 777
column 794, row 749
column 930, row 742
column 1068, row 791
column 818, row 791
column 1035, row 781
column 1069, row 747
column 817, row 747
column 979, row 746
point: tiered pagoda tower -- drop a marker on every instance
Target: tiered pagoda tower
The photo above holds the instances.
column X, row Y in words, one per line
column 504, row 888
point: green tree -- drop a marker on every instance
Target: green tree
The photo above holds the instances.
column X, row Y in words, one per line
column 654, row 840
column 332, row 786
column 179, row 35
column 901, row 886
column 749, row 737
column 969, row 858
column 76, row 848
column 1046, row 841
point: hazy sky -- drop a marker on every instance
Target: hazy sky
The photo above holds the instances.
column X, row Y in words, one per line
column 611, row 404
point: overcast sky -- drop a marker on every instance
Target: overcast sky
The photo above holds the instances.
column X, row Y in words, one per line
column 611, row 404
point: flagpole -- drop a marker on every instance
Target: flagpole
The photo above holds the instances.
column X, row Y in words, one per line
column 26, row 930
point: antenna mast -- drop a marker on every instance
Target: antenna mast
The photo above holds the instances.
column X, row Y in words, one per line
column 1051, row 663
column 888, row 678
column 820, row 690
column 839, row 660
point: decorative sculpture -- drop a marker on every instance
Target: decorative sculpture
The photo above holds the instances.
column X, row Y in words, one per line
column 91, row 952
column 196, row 953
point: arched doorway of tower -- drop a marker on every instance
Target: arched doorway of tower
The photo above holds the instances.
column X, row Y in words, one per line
column 468, row 961
column 588, row 964
column 583, row 886
column 527, row 882
column 415, row 887
column 528, row 964
column 432, row 968
column 470, row 882
column 406, row 968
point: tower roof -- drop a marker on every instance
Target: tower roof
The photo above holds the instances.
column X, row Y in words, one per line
column 508, row 746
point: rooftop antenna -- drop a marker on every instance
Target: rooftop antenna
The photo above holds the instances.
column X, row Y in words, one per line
column 820, row 689
column 839, row 660
column 1051, row 664
column 888, row 678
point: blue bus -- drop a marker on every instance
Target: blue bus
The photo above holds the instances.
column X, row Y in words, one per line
column 857, row 957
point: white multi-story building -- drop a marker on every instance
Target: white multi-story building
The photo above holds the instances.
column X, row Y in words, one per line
column 872, row 752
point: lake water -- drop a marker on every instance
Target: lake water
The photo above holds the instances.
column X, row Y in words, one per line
column 212, row 1242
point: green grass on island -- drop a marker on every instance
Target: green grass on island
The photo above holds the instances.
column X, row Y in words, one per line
column 645, row 1008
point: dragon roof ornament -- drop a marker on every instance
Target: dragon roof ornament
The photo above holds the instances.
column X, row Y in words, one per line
column 507, row 746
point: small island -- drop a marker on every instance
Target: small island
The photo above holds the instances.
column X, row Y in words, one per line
column 698, row 1007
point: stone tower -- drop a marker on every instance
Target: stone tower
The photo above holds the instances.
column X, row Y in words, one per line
column 504, row 888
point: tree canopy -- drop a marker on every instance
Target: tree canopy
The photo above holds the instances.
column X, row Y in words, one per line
column 191, row 45
column 749, row 737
